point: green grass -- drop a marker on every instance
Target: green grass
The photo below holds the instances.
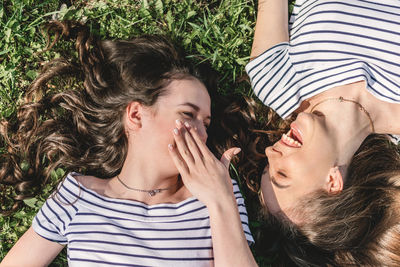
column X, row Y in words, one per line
column 220, row 31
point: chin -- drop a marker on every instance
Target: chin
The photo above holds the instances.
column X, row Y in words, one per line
column 266, row 149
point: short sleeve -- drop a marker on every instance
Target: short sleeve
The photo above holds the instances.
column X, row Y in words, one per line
column 274, row 79
column 242, row 212
column 57, row 212
column 395, row 139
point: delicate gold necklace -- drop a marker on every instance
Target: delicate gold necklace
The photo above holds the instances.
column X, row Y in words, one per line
column 151, row 192
column 341, row 99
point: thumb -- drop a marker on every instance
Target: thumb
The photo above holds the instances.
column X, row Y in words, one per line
column 228, row 155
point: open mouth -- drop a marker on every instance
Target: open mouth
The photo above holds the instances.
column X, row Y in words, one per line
column 292, row 138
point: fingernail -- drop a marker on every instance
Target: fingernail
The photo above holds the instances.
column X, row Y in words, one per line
column 237, row 150
column 176, row 132
column 187, row 125
column 170, row 147
column 178, row 123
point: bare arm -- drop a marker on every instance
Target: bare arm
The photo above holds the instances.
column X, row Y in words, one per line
column 208, row 179
column 229, row 242
column 271, row 26
column 31, row 250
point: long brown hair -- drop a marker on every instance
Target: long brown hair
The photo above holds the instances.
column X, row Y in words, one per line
column 247, row 124
column 79, row 126
column 361, row 225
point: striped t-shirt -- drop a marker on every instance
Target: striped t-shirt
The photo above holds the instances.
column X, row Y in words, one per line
column 332, row 43
column 103, row 231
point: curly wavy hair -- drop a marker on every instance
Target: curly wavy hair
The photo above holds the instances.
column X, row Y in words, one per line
column 81, row 129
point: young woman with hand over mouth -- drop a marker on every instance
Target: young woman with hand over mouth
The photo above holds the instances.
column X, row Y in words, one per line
column 331, row 183
column 131, row 207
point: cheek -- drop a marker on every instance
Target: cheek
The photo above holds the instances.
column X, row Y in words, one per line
column 165, row 128
column 313, row 160
column 280, row 202
column 317, row 165
column 323, row 145
column 268, row 194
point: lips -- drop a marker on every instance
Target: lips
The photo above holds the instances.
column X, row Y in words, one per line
column 296, row 133
column 293, row 137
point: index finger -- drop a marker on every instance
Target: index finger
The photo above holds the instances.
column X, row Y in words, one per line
column 200, row 144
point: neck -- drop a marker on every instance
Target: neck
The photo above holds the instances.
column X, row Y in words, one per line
column 383, row 114
column 346, row 119
column 139, row 174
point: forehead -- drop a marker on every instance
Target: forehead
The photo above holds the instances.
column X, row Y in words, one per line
column 189, row 90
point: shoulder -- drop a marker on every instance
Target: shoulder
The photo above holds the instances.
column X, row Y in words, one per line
column 53, row 218
column 90, row 182
column 73, row 186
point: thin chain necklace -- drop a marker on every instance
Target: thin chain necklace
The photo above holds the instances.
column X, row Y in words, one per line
column 341, row 99
column 152, row 192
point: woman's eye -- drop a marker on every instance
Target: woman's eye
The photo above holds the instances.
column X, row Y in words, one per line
column 282, row 174
column 188, row 114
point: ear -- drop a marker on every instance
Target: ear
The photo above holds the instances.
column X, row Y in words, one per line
column 334, row 183
column 133, row 116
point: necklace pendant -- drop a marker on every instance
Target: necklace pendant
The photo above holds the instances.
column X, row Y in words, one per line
column 153, row 192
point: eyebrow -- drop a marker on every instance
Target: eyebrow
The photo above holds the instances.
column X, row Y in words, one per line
column 272, row 178
column 195, row 107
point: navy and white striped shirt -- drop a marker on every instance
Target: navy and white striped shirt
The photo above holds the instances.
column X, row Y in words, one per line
column 101, row 231
column 332, row 43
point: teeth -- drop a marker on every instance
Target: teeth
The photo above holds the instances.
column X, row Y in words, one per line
column 289, row 140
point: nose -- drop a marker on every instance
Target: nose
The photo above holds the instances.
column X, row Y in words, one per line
column 202, row 131
column 272, row 152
